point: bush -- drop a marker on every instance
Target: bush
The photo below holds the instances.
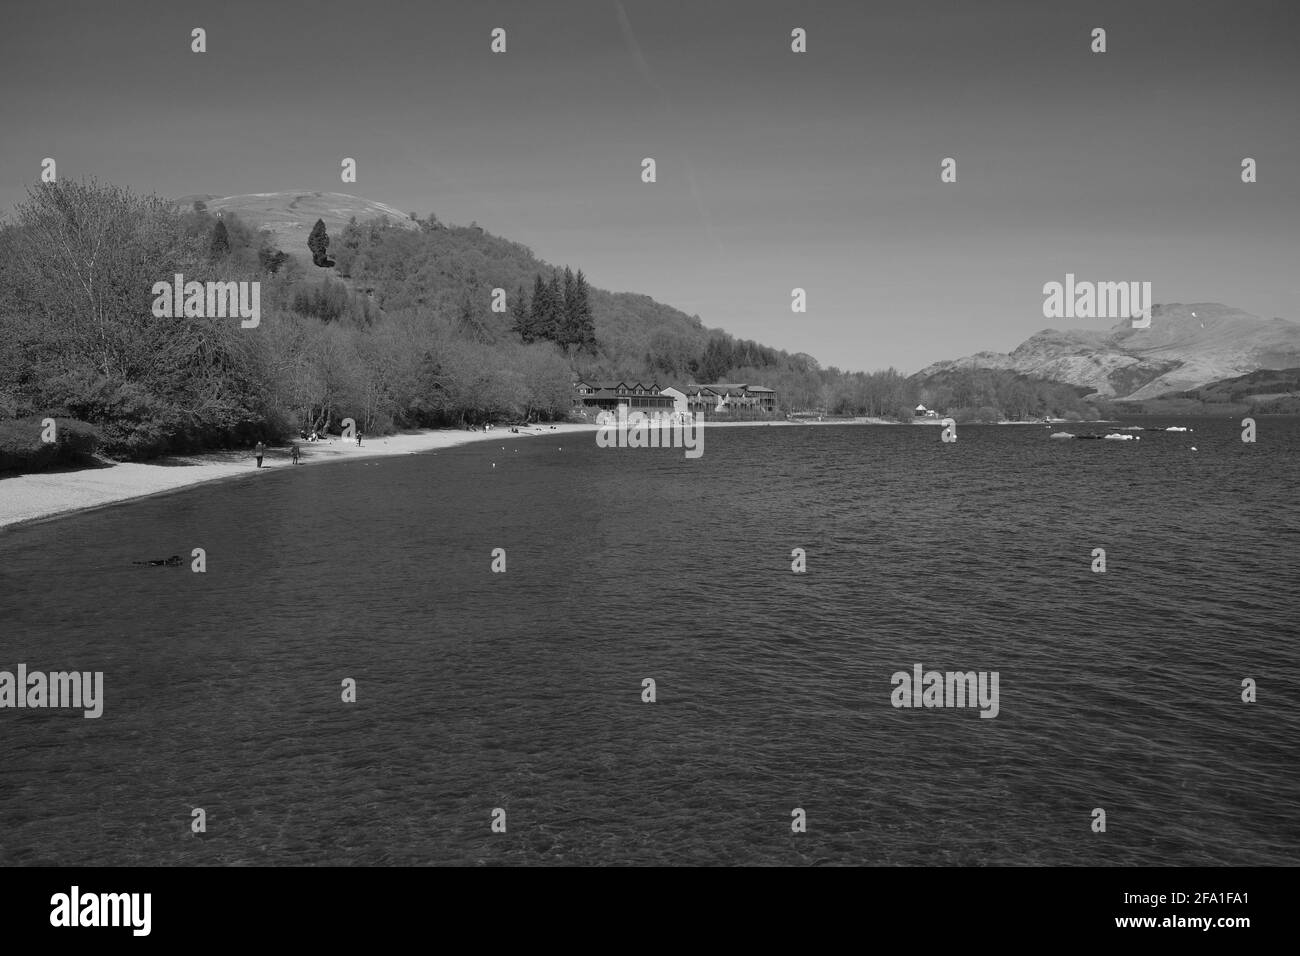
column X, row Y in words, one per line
column 21, row 447
column 134, row 422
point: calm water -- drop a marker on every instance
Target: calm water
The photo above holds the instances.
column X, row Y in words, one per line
column 523, row 690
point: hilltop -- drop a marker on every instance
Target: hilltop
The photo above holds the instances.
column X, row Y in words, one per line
column 399, row 263
column 289, row 216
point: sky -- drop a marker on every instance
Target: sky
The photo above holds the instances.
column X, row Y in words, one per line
column 775, row 169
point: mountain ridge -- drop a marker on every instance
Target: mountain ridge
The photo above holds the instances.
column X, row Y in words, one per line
column 1185, row 346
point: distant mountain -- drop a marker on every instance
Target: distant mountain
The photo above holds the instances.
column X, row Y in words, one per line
column 1185, row 347
column 290, row 215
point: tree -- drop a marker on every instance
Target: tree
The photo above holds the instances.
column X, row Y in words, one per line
column 470, row 310
column 522, row 324
column 318, row 242
column 715, row 362
column 583, row 326
column 271, row 259
column 552, row 327
column 540, row 312
column 220, row 246
column 74, row 290
column 565, row 326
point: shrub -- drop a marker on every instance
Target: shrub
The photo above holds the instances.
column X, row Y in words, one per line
column 21, row 447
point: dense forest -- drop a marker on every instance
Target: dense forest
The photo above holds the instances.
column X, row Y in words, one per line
column 393, row 327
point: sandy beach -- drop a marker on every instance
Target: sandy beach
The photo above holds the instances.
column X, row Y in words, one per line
column 64, row 491
column 58, row 492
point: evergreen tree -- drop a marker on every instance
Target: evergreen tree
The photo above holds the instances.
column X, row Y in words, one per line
column 318, row 242
column 566, row 326
column 554, row 310
column 523, row 325
column 220, row 246
column 539, row 313
column 584, row 324
column 714, row 364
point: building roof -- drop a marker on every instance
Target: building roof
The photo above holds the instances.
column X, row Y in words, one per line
column 615, row 393
column 629, row 385
column 609, row 389
column 740, row 388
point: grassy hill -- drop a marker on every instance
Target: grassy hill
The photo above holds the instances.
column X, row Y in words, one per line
column 289, row 216
column 403, row 264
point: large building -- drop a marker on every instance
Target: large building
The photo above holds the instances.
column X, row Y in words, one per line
column 636, row 396
column 721, row 399
column 744, row 397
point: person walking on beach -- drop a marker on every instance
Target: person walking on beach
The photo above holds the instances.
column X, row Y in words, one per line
column 295, row 453
column 358, row 438
column 259, row 450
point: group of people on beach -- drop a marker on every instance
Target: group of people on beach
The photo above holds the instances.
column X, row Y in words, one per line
column 259, row 450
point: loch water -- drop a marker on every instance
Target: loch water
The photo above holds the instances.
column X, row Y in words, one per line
column 523, row 690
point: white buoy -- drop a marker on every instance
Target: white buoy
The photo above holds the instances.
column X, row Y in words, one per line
column 1193, row 448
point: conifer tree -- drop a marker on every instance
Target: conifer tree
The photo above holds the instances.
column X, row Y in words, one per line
column 220, row 241
column 553, row 329
column 523, row 325
column 567, row 324
column 583, row 334
column 318, row 242
column 539, row 312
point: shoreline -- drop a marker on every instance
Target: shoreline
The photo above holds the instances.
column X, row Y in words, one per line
column 27, row 499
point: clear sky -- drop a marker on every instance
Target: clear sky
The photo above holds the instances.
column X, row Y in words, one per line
column 775, row 169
